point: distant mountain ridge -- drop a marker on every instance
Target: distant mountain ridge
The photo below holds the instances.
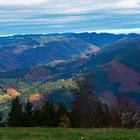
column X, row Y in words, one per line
column 26, row 51
column 22, row 51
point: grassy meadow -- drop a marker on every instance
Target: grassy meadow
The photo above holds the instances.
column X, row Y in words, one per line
column 68, row 134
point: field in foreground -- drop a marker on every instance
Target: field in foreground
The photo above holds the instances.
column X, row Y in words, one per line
column 67, row 134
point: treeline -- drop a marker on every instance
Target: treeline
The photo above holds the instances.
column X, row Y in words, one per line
column 88, row 111
column 45, row 116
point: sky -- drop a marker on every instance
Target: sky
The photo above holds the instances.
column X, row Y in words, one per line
column 58, row 16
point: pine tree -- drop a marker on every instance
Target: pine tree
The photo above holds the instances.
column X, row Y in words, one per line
column 1, row 115
column 37, row 118
column 28, row 114
column 49, row 115
column 15, row 115
column 61, row 111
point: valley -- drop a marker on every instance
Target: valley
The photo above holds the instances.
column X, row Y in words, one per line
column 44, row 67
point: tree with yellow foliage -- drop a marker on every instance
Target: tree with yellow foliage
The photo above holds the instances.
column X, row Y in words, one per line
column 65, row 122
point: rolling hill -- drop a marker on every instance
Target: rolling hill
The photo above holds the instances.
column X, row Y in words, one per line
column 22, row 51
column 38, row 50
column 114, row 69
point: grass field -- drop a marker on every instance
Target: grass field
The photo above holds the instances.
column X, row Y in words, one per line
column 67, row 134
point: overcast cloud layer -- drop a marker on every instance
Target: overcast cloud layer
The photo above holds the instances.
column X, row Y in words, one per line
column 51, row 16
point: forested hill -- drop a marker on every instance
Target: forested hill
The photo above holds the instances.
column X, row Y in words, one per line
column 22, row 51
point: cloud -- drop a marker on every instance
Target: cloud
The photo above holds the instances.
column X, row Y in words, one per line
column 68, row 6
column 67, row 15
column 21, row 2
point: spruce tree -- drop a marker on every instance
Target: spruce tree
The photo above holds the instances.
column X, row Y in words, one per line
column 37, row 118
column 61, row 111
column 28, row 114
column 1, row 114
column 49, row 115
column 15, row 115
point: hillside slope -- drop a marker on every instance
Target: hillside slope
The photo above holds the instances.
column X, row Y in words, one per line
column 37, row 50
column 115, row 70
column 23, row 51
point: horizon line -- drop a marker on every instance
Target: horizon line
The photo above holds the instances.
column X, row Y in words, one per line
column 110, row 31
